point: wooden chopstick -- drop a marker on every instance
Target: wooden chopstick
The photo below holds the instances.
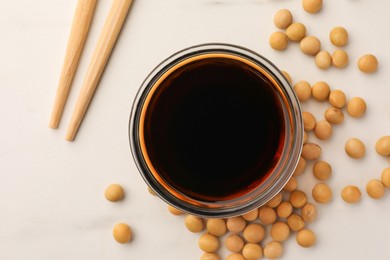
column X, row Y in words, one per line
column 107, row 39
column 80, row 26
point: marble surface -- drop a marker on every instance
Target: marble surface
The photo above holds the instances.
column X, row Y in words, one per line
column 51, row 191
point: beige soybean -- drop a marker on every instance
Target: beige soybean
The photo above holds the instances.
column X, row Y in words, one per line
column 322, row 193
column 323, row 130
column 114, row 193
column 351, row 194
column 208, row 243
column 284, row 209
column 279, row 231
column 287, row 76
column 309, row 121
column 375, row 189
column 275, row 201
column 267, row 215
column 209, row 256
column 356, row 107
column 298, row 199
column 303, row 90
column 300, row 166
column 340, row 58
column 216, row 226
column 252, row 251
column 337, row 98
column 323, row 60
column 338, row 36
column 296, row 32
column 122, row 233
column 234, row 243
column 193, row 223
column 283, row 18
column 385, row 177
column 355, row 148
column 309, row 212
column 320, row 91
column 322, row 170
column 291, row 185
column 305, row 137
column 235, row 256
column 273, row 250
column 174, row 211
column 368, row 63
column 254, row 233
column 310, row 45
column 151, row 192
column 236, row 224
column 312, row 6
column 295, row 222
column 251, row 215
column 334, row 115
column 278, row 41
column 382, row 146
column 311, row 151
column 306, row 238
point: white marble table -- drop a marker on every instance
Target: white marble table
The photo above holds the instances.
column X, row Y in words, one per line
column 51, row 191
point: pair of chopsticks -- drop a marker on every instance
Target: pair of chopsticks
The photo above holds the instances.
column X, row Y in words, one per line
column 106, row 41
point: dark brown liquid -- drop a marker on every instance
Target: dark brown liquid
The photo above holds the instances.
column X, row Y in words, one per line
column 214, row 129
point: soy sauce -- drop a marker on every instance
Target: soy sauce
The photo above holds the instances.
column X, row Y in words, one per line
column 214, row 128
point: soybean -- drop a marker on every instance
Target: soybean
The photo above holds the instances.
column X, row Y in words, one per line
column 252, row 251
column 323, row 130
column 322, row 193
column 267, row 215
column 303, row 90
column 355, row 148
column 310, row 45
column 216, row 226
column 278, row 41
column 382, row 146
column 296, row 32
column 351, row 194
column 273, row 250
column 311, row 151
column 208, row 243
column 234, row 243
column 322, row 170
column 309, row 121
column 114, row 193
column 320, row 90
column 309, row 212
column 295, row 222
column 338, row 36
column 385, row 177
column 312, row 6
column 356, row 107
column 254, row 233
column 368, row 63
column 323, row 60
column 236, row 224
column 279, row 231
column 298, row 199
column 375, row 189
column 334, row 115
column 337, row 98
column 209, row 256
column 283, row 18
column 340, row 58
column 306, row 238
column 194, row 223
column 122, row 233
